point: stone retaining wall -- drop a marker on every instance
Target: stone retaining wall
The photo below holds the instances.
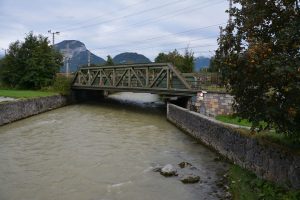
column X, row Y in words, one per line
column 266, row 160
column 211, row 104
column 15, row 110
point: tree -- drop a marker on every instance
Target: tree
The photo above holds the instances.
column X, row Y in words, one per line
column 109, row 61
column 184, row 63
column 259, row 58
column 213, row 65
column 31, row 64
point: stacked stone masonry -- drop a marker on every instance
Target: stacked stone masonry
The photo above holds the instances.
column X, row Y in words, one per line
column 211, row 104
column 16, row 110
column 266, row 160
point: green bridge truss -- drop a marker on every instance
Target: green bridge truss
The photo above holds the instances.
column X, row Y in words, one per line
column 157, row 78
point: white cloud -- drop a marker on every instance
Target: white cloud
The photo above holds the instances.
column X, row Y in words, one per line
column 127, row 24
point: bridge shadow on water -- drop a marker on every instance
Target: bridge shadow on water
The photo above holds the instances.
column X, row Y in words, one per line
column 136, row 102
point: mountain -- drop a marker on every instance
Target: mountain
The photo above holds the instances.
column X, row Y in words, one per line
column 77, row 53
column 201, row 62
column 128, row 58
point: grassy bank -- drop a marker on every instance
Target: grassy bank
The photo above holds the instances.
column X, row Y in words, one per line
column 61, row 85
column 24, row 93
column 233, row 120
column 244, row 185
column 268, row 135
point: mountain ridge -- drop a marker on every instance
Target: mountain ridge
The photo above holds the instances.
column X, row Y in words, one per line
column 77, row 53
column 201, row 62
column 130, row 57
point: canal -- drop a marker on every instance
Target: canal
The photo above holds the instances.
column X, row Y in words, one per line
column 105, row 151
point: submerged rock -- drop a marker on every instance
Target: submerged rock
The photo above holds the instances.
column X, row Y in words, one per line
column 168, row 170
column 157, row 169
column 190, row 178
column 184, row 164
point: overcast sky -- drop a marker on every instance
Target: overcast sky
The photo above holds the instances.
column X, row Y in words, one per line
column 112, row 27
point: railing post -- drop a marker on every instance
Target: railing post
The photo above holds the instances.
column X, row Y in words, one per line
column 129, row 78
column 101, row 80
column 147, row 77
column 168, row 78
column 89, row 77
column 114, row 77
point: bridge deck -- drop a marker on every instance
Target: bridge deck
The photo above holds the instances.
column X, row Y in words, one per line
column 158, row 78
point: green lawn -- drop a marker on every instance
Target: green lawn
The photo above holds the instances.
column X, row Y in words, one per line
column 24, row 93
column 267, row 135
column 244, row 185
column 233, row 120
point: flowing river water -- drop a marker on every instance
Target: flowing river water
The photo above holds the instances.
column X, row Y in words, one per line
column 102, row 151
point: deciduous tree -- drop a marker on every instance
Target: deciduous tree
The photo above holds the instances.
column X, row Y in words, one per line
column 259, row 57
column 185, row 63
column 109, row 61
column 31, row 64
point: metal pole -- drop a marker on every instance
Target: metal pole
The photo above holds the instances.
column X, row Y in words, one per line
column 89, row 58
column 230, row 17
column 53, row 35
column 68, row 59
column 53, row 39
column 4, row 51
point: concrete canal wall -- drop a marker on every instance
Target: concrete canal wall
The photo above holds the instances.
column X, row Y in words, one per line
column 16, row 110
column 266, row 160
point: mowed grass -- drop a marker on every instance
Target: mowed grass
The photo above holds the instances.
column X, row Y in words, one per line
column 233, row 120
column 266, row 135
column 24, row 94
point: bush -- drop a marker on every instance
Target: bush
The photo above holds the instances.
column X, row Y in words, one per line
column 61, row 85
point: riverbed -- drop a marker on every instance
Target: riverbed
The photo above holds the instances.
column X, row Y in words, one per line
column 103, row 150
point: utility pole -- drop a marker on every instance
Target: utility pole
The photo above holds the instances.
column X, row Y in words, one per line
column 230, row 16
column 221, row 34
column 89, row 58
column 67, row 67
column 4, row 51
column 53, row 35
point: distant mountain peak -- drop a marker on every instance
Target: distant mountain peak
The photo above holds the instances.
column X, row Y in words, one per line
column 77, row 52
column 130, row 57
column 201, row 62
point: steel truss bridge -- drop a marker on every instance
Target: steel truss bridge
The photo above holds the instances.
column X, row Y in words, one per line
column 157, row 78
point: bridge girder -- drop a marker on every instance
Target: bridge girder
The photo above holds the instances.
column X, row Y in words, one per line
column 161, row 78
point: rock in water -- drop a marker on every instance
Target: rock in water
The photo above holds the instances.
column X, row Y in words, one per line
column 168, row 170
column 157, row 169
column 184, row 164
column 190, row 178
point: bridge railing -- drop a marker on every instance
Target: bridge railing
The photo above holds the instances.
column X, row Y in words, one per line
column 153, row 77
column 205, row 81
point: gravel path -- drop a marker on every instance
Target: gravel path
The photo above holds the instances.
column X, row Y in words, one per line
column 2, row 99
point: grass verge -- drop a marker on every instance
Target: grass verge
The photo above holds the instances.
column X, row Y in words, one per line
column 244, row 185
column 24, row 94
column 61, row 85
column 233, row 120
column 267, row 135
